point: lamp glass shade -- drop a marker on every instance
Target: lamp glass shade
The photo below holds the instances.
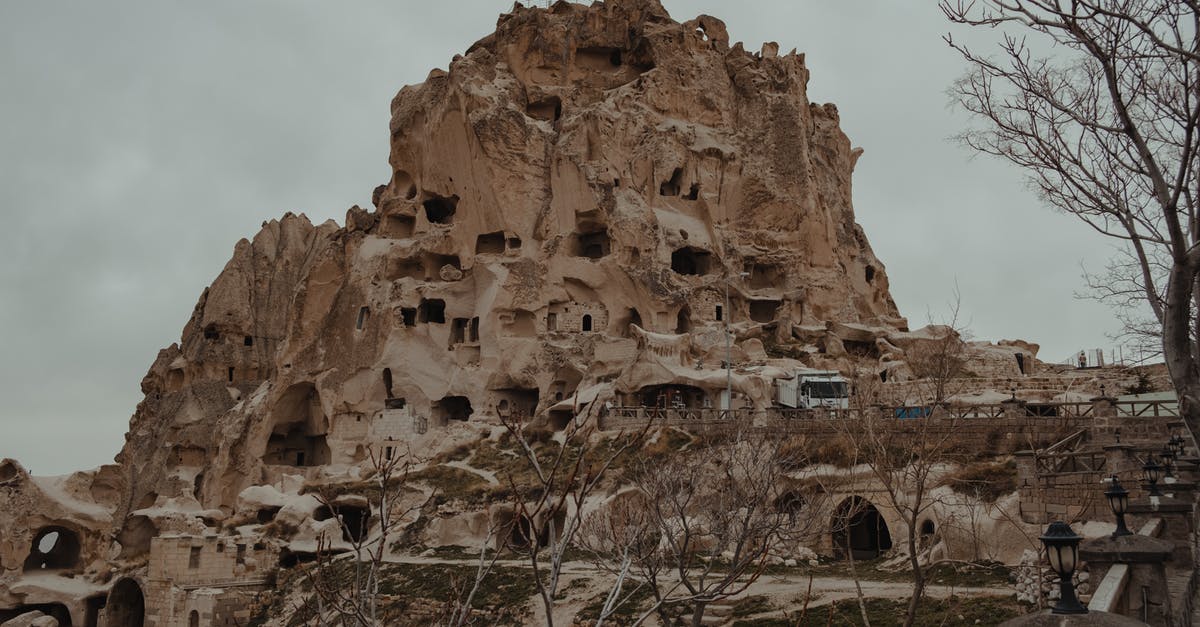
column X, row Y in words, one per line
column 1062, row 559
column 1062, row 546
column 1118, row 497
column 1152, row 470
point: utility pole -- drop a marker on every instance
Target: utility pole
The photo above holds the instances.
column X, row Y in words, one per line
column 729, row 344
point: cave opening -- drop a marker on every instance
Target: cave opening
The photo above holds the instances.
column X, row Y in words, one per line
column 670, row 187
column 298, row 435
column 432, row 310
column 403, row 183
column 859, row 530
column 54, row 548
column 399, row 226
column 764, row 311
column 683, row 321
column 355, row 521
column 387, row 382
column 548, row 109
column 434, row 264
column 765, row 275
column 490, row 243
column 458, row 331
column 517, row 402
column 126, row 604
column 593, row 244
column 632, row 317
column 791, row 504
column 451, row 408
column 440, row 209
column 600, row 58
column 690, row 260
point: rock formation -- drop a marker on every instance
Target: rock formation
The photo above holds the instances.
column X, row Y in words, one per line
column 581, row 207
column 571, row 196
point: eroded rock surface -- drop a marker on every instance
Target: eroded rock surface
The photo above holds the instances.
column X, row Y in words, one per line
column 579, row 187
column 581, row 207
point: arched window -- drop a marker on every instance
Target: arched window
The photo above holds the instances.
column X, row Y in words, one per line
column 587, row 323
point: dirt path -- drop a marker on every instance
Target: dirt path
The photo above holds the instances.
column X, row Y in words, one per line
column 487, row 475
column 784, row 590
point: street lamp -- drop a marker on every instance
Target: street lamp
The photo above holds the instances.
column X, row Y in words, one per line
column 1118, row 500
column 1152, row 472
column 1177, row 444
column 1168, row 457
column 1062, row 551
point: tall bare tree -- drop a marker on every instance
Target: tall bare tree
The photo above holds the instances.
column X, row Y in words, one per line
column 699, row 526
column 346, row 585
column 548, row 500
column 1108, row 130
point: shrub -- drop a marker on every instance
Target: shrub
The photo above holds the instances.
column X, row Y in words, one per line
column 836, row 451
column 987, row 481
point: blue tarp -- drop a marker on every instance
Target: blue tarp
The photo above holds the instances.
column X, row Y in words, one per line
column 913, row 412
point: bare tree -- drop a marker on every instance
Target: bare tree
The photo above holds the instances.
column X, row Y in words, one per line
column 699, row 526
column 1109, row 132
column 940, row 362
column 905, row 460
column 548, row 501
column 460, row 608
column 346, row 582
column 622, row 540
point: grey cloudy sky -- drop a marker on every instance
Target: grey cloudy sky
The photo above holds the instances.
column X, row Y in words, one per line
column 140, row 140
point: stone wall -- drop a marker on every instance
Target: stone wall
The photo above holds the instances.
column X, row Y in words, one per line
column 978, row 436
column 187, row 560
column 573, row 317
column 215, row 577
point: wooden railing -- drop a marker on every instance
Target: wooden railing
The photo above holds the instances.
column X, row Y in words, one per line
column 1127, row 409
column 1072, row 461
column 1168, row 409
column 679, row 414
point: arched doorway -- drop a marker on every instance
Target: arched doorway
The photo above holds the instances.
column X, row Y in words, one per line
column 683, row 321
column 859, row 530
column 126, row 605
column 194, row 619
column 925, row 536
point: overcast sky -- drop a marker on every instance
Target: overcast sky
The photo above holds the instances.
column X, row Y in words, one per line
column 140, row 140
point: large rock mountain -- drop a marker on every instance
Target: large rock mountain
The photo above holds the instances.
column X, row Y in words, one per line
column 579, row 185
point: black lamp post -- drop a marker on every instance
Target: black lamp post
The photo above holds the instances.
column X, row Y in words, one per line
column 1177, row 444
column 1168, row 457
column 1062, row 551
column 1152, row 472
column 1118, row 500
